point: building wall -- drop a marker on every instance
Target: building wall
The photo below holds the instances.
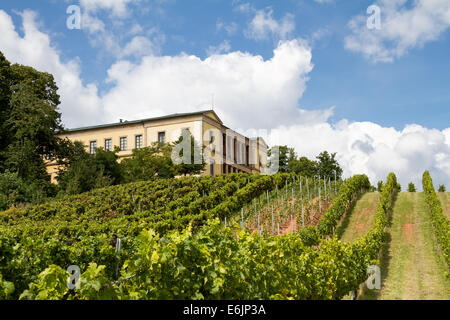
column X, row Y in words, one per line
column 198, row 125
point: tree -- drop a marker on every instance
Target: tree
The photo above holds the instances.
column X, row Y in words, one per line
column 149, row 163
column 442, row 188
column 411, row 187
column 379, row 186
column 284, row 155
column 327, row 165
column 30, row 122
column 82, row 172
column 5, row 95
column 303, row 167
column 188, row 165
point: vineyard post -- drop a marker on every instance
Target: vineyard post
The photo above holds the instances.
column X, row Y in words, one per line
column 335, row 192
column 286, row 189
column 307, row 187
column 293, row 201
column 273, row 226
column 320, row 205
column 292, row 224
column 278, row 201
column 329, row 185
column 225, row 222
column 303, row 215
column 325, row 188
column 259, row 229
column 254, row 200
column 278, row 226
column 118, row 242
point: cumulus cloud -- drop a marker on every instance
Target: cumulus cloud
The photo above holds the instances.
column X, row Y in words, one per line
column 263, row 25
column 405, row 25
column 78, row 101
column 103, row 34
column 265, row 91
column 365, row 147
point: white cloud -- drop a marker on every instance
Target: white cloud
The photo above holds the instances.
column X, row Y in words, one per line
column 264, row 25
column 138, row 46
column 404, row 26
column 265, row 91
column 105, row 36
column 118, row 8
column 365, row 147
column 224, row 47
column 230, row 28
column 78, row 101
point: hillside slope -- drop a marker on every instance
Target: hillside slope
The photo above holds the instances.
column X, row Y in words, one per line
column 411, row 266
column 360, row 220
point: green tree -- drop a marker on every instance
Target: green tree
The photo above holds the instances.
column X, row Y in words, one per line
column 379, row 186
column 188, row 165
column 149, row 163
column 82, row 172
column 442, row 188
column 327, row 165
column 303, row 167
column 283, row 154
column 411, row 187
column 29, row 123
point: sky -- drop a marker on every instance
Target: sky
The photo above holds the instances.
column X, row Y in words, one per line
column 368, row 80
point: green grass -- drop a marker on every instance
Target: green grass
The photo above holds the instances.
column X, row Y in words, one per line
column 360, row 220
column 411, row 265
column 445, row 203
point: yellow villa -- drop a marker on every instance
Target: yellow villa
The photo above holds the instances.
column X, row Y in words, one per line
column 226, row 151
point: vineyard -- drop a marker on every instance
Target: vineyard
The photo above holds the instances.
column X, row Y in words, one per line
column 235, row 236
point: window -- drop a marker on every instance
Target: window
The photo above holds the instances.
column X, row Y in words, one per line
column 211, row 167
column 210, row 136
column 139, row 142
column 123, row 143
column 108, row 145
column 92, row 147
column 161, row 137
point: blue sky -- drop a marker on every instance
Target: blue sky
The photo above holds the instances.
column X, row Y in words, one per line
column 310, row 72
column 413, row 89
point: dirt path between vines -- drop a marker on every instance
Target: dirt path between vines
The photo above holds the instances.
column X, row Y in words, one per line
column 356, row 224
column 411, row 265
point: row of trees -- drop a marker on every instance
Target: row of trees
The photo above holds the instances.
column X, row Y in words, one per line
column 412, row 188
column 326, row 164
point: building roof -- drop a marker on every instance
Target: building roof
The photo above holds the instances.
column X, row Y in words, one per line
column 175, row 115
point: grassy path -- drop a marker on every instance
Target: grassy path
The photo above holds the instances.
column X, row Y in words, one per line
column 356, row 224
column 411, row 267
column 445, row 203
